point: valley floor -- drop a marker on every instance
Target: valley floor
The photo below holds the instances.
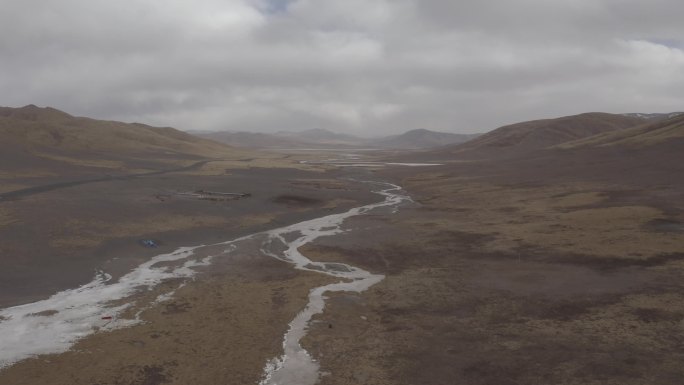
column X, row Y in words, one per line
column 488, row 281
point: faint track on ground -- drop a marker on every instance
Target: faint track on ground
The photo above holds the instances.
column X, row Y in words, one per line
column 21, row 193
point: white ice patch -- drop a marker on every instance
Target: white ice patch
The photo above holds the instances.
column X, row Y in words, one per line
column 415, row 164
column 53, row 325
column 360, row 163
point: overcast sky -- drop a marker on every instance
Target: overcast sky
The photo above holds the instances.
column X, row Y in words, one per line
column 367, row 67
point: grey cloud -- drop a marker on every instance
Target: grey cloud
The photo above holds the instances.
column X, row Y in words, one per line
column 363, row 66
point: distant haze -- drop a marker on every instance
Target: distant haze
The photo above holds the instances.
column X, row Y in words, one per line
column 365, row 67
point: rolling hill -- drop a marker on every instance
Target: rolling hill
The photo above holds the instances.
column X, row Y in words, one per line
column 34, row 138
column 621, row 152
column 538, row 134
column 647, row 134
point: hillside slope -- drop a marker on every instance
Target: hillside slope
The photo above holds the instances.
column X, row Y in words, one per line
column 34, row 138
column 643, row 135
column 319, row 138
column 539, row 134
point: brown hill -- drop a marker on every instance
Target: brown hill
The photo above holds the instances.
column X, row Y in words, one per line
column 34, row 113
column 539, row 134
column 34, row 138
column 648, row 154
column 644, row 135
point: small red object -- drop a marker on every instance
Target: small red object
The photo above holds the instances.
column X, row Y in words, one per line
column 107, row 317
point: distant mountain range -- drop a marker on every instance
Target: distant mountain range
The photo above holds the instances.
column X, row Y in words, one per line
column 321, row 138
column 510, row 138
column 34, row 138
column 421, row 138
column 317, row 138
column 320, row 135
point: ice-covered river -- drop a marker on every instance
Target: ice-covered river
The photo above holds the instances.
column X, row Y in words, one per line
column 296, row 366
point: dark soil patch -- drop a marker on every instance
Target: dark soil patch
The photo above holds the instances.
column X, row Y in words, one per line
column 296, row 200
column 657, row 315
column 45, row 313
column 176, row 308
column 152, row 375
column 612, row 263
column 666, row 226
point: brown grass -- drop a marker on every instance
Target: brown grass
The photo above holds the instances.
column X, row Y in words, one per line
column 90, row 233
column 568, row 219
column 499, row 284
column 6, row 217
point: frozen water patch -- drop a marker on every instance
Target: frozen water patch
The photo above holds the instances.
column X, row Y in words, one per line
column 73, row 314
column 53, row 325
column 416, row 164
column 360, row 163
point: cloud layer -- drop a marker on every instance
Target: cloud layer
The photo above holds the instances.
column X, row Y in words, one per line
column 360, row 66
